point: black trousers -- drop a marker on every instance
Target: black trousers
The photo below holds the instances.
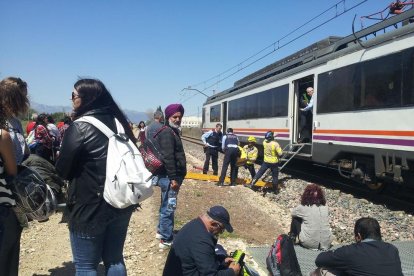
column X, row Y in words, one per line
column 10, row 232
column 250, row 167
column 230, row 157
column 213, row 153
column 295, row 226
column 305, row 126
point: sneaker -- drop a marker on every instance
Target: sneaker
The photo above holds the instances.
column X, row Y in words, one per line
column 219, row 184
column 158, row 236
column 165, row 244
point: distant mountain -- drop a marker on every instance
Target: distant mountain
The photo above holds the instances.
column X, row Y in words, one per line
column 133, row 116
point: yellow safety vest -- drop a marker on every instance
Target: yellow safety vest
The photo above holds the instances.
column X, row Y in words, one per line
column 251, row 154
column 271, row 151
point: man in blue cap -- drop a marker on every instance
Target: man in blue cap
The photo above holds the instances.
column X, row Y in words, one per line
column 193, row 250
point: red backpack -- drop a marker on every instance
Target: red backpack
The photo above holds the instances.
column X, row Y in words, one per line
column 282, row 260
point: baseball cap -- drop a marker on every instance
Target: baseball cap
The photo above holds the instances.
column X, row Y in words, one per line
column 220, row 214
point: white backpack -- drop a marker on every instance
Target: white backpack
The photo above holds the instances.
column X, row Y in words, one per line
column 128, row 181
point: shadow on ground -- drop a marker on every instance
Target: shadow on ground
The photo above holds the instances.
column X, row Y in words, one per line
column 68, row 269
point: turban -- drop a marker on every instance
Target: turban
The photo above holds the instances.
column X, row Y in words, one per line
column 173, row 108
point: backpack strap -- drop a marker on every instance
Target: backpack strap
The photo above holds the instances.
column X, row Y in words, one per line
column 159, row 131
column 99, row 125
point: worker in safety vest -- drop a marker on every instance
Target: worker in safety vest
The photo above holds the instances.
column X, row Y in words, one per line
column 252, row 152
column 272, row 152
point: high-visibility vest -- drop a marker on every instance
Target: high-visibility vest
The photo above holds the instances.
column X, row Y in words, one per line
column 271, row 151
column 251, row 154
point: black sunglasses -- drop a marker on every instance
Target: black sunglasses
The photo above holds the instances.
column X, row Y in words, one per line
column 74, row 96
column 217, row 225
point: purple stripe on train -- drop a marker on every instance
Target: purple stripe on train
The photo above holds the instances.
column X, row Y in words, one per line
column 384, row 141
column 261, row 134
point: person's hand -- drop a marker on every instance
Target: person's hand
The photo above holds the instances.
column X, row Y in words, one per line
column 228, row 261
column 174, row 185
column 236, row 267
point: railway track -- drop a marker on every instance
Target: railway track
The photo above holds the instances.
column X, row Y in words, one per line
column 393, row 197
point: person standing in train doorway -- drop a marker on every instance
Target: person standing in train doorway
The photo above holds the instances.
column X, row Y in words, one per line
column 230, row 148
column 212, row 145
column 272, row 151
column 306, row 116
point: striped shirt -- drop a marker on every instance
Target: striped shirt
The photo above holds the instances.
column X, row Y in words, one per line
column 6, row 196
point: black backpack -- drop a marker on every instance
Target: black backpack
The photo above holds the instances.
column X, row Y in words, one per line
column 281, row 260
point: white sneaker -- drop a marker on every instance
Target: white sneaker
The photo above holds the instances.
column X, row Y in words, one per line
column 158, row 236
column 165, row 244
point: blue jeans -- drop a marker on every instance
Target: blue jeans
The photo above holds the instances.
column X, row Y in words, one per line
column 88, row 251
column 166, row 221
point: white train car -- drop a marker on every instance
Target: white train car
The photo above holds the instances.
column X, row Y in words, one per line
column 363, row 113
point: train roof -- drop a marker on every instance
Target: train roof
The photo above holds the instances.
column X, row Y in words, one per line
column 320, row 51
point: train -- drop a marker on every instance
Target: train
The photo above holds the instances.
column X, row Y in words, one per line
column 362, row 120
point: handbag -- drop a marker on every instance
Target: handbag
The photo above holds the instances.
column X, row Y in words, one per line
column 151, row 155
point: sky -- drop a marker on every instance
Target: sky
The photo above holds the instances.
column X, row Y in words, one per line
column 147, row 51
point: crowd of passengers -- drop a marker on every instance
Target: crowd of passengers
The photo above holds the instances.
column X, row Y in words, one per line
column 76, row 151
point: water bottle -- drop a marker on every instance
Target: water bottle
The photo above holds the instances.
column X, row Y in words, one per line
column 172, row 199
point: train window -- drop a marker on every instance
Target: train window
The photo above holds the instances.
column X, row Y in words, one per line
column 215, row 113
column 337, row 89
column 408, row 81
column 372, row 84
column 269, row 103
column 381, row 82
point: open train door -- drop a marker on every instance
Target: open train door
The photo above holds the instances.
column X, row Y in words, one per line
column 302, row 121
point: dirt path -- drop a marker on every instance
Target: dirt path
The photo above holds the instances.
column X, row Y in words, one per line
column 45, row 247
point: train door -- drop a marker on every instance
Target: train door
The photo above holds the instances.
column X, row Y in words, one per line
column 302, row 121
column 224, row 114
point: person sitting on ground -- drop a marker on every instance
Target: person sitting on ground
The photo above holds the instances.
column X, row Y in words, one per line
column 310, row 220
column 212, row 145
column 193, row 250
column 368, row 256
column 230, row 147
column 252, row 152
column 155, row 125
column 272, row 152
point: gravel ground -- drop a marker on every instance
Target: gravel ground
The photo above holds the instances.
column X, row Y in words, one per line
column 257, row 218
column 344, row 208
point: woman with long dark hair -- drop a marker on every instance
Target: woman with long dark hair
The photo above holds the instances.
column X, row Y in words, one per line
column 97, row 230
column 310, row 220
column 142, row 129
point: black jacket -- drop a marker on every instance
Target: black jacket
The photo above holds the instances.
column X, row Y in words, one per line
column 193, row 253
column 173, row 154
column 363, row 259
column 82, row 161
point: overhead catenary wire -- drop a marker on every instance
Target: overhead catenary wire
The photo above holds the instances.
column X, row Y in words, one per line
column 275, row 46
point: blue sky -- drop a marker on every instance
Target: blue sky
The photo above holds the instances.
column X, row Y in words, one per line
column 146, row 51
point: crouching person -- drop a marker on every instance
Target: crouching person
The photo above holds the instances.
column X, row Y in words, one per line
column 368, row 256
column 193, row 250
